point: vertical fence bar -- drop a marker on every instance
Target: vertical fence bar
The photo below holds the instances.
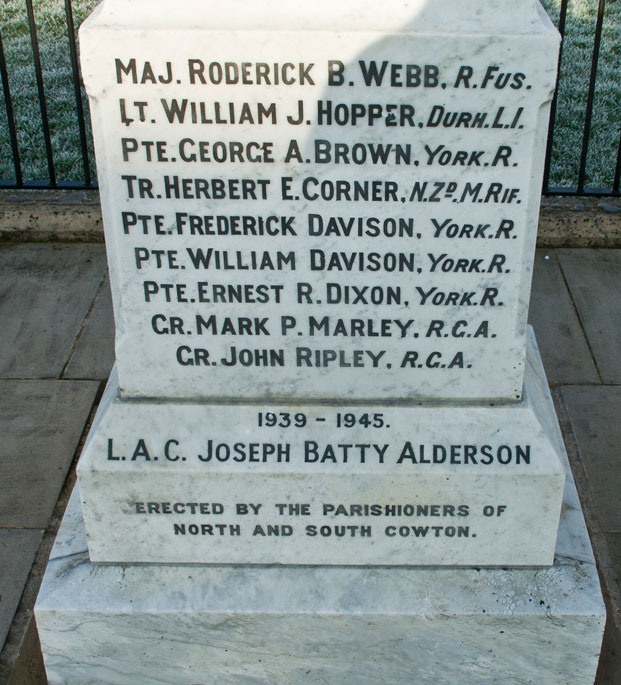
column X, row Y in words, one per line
column 561, row 28
column 78, row 93
column 615, row 184
column 80, row 113
column 10, row 117
column 591, row 95
column 42, row 104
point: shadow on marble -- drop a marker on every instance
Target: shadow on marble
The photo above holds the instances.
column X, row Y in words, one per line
column 29, row 668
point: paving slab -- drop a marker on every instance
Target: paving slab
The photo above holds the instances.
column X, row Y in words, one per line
column 40, row 423
column 613, row 541
column 594, row 413
column 563, row 346
column 17, row 552
column 93, row 356
column 594, row 280
column 46, row 292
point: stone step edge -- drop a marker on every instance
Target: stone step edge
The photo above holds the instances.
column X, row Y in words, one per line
column 75, row 216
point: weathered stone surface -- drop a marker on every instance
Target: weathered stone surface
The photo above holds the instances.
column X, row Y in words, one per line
column 579, row 222
column 45, row 216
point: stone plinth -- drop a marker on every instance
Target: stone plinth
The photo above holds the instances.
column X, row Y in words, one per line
column 192, row 624
column 328, row 484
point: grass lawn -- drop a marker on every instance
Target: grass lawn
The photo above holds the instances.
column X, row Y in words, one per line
column 60, row 97
column 52, row 34
column 573, row 89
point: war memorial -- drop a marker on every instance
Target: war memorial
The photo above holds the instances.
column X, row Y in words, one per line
column 327, row 451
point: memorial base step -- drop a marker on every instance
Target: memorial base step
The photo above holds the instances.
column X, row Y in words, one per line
column 157, row 623
column 384, row 484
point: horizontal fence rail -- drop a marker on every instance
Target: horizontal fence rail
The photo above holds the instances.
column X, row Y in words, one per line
column 44, row 147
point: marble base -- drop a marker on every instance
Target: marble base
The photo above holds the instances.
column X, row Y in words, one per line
column 158, row 623
column 427, row 484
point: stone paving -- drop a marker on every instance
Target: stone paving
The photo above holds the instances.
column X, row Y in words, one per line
column 56, row 335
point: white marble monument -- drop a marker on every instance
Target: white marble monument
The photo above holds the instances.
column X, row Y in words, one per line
column 296, row 218
column 320, row 223
column 341, row 205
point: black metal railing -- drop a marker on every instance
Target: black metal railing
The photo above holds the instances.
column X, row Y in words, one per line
column 77, row 90
column 19, row 175
column 80, row 124
column 580, row 188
